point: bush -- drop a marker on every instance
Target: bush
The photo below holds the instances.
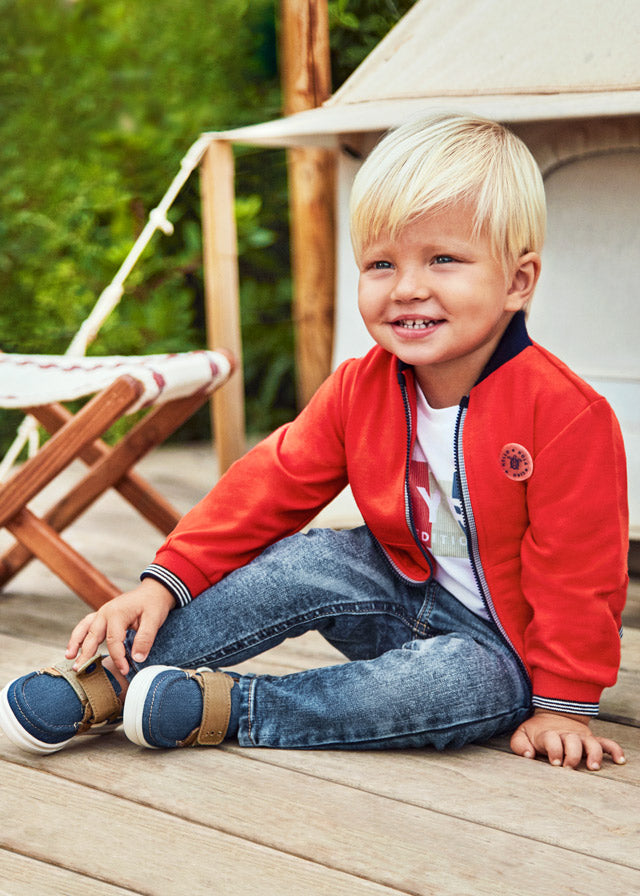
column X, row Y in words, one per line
column 101, row 99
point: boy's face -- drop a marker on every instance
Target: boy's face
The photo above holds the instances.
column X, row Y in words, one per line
column 438, row 299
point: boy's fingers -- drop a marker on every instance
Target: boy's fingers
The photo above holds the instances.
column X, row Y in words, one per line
column 613, row 749
column 521, row 745
column 115, row 646
column 573, row 750
column 593, row 752
column 564, row 747
column 93, row 631
column 95, row 635
column 88, row 649
column 553, row 746
column 78, row 635
column 118, row 623
column 145, row 636
column 141, row 646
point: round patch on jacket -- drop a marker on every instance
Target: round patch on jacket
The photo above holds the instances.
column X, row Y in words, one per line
column 516, row 462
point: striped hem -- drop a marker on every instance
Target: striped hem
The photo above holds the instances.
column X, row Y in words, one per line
column 179, row 590
column 566, row 706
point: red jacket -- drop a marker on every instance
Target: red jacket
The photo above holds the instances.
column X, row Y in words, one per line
column 549, row 549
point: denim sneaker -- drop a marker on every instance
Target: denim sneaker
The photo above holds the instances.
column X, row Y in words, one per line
column 43, row 711
column 170, row 707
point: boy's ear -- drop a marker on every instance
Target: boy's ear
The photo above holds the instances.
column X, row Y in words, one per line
column 523, row 282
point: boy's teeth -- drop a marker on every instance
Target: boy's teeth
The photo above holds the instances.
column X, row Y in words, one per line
column 416, row 324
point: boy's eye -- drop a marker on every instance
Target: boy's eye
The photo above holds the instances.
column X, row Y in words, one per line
column 381, row 265
column 443, row 259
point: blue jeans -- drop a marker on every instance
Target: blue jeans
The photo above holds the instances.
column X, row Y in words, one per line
column 422, row 670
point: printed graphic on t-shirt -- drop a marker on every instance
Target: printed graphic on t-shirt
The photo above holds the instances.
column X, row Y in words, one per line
column 437, row 513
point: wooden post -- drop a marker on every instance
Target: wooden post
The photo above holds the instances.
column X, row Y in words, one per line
column 222, row 294
column 306, row 78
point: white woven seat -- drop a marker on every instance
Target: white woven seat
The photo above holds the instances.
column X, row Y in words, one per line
column 30, row 380
column 171, row 388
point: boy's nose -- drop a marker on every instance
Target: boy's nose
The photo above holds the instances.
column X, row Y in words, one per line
column 410, row 285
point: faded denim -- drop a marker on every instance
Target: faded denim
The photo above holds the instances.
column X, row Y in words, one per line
column 421, row 670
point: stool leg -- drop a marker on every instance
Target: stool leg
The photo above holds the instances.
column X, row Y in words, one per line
column 84, row 579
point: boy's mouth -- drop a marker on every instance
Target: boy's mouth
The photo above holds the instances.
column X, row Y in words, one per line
column 416, row 323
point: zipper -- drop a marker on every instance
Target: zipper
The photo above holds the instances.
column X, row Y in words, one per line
column 472, row 534
column 467, row 514
column 408, row 509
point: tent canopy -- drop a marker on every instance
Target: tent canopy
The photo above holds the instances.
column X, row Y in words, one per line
column 508, row 61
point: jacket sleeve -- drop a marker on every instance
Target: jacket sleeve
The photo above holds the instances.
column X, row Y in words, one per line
column 574, row 571
column 272, row 492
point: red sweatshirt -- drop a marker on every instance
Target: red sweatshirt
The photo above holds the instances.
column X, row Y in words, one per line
column 542, row 473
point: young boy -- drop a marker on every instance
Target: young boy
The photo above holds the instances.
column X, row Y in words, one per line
column 484, row 593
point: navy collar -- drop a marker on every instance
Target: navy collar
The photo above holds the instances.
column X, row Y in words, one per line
column 514, row 340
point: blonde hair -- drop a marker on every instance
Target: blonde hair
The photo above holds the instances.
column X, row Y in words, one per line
column 429, row 164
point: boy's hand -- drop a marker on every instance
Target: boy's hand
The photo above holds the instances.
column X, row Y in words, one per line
column 564, row 739
column 143, row 609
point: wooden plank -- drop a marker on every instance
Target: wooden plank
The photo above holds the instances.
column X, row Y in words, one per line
column 94, row 833
column 347, row 827
column 312, row 197
column 338, row 808
column 306, row 65
column 631, row 612
column 23, row 876
column 306, row 82
column 220, row 259
column 18, row 656
column 45, row 618
column 582, row 813
column 579, row 813
column 620, row 703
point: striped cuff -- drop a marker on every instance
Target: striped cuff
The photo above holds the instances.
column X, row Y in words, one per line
column 179, row 590
column 566, row 706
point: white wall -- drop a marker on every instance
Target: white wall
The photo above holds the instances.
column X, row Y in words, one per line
column 587, row 305
column 351, row 338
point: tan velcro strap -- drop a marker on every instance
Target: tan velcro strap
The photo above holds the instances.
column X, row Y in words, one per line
column 216, row 698
column 94, row 689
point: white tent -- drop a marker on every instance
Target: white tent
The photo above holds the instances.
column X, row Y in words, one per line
column 508, row 61
column 565, row 75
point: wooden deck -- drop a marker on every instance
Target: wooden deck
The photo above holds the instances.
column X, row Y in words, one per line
column 105, row 817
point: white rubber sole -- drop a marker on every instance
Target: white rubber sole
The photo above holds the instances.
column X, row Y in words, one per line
column 30, row 744
column 134, row 704
column 17, row 734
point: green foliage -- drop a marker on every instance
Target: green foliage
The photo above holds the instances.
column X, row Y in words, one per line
column 99, row 101
column 355, row 27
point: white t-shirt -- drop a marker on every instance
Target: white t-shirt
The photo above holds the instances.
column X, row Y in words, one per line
column 437, row 508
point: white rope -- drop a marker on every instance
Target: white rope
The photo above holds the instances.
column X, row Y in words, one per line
column 111, row 295
column 26, row 433
column 158, row 220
